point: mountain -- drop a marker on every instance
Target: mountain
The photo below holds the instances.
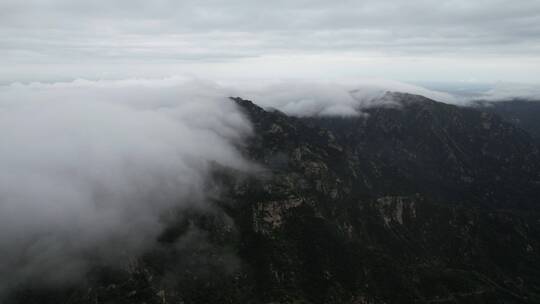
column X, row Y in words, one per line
column 418, row 202
column 523, row 113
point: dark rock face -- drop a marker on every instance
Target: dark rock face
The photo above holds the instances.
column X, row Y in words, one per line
column 453, row 154
column 419, row 203
column 523, row 113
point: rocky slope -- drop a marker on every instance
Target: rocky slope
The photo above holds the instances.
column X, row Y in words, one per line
column 421, row 202
column 523, row 113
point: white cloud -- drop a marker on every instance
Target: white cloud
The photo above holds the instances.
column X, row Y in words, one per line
column 89, row 167
column 508, row 91
column 51, row 34
column 310, row 98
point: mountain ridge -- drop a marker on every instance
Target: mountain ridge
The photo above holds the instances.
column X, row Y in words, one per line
column 405, row 204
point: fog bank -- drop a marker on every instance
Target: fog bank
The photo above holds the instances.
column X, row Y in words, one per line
column 89, row 167
column 347, row 98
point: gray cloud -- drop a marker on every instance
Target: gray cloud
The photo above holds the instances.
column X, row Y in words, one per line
column 89, row 168
column 309, row 98
column 509, row 91
column 61, row 31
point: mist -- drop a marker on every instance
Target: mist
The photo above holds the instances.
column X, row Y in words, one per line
column 505, row 91
column 345, row 98
column 88, row 168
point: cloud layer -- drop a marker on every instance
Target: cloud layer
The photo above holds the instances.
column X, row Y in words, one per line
column 88, row 168
column 407, row 40
column 509, row 91
column 225, row 28
column 309, row 98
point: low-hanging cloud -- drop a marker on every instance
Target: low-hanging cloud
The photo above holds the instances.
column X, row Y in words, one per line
column 347, row 98
column 89, row 167
column 510, row 91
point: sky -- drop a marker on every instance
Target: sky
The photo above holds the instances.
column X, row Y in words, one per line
column 464, row 41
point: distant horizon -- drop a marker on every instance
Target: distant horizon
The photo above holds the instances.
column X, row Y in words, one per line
column 462, row 90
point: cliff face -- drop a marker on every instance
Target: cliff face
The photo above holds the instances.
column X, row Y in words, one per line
column 418, row 203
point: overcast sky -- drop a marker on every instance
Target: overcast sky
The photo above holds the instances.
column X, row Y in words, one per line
column 415, row 40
